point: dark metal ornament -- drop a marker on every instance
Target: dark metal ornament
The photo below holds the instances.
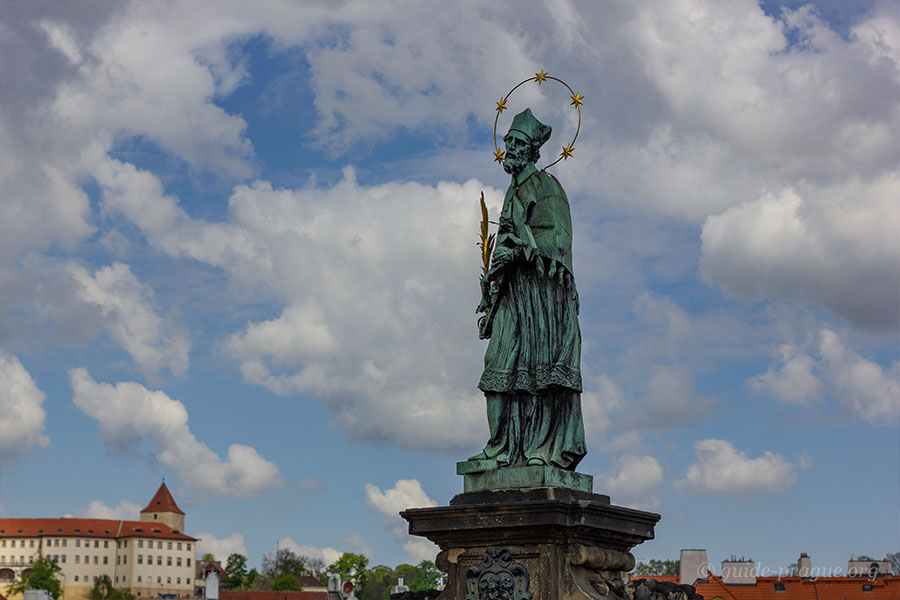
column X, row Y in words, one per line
column 497, row 578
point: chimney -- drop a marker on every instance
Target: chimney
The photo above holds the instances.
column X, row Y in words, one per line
column 738, row 571
column 693, row 566
column 804, row 566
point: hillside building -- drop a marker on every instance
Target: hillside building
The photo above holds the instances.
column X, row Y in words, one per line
column 152, row 557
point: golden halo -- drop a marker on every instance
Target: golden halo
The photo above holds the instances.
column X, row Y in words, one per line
column 539, row 78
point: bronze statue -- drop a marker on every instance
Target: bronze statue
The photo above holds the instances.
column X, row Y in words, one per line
column 532, row 366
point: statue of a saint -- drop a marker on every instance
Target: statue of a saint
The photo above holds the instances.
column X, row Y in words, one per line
column 532, row 367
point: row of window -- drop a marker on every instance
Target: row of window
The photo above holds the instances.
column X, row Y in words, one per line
column 159, row 580
column 87, row 559
column 12, row 560
column 140, row 560
column 55, row 542
column 159, row 545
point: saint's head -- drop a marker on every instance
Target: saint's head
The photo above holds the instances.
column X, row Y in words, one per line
column 523, row 142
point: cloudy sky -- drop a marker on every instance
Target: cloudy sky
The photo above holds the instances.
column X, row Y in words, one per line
column 237, row 250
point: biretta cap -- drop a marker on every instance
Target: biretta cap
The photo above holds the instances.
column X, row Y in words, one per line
column 526, row 123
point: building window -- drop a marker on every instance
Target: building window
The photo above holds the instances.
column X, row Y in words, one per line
column 168, row 561
column 106, row 543
column 178, row 580
column 189, row 561
column 140, row 559
column 96, row 543
column 31, row 544
column 78, row 543
column 3, row 544
column 779, row 587
column 179, row 561
column 76, row 578
column 125, row 544
column 159, row 580
column 87, row 559
column 64, row 542
column 179, row 545
column 168, row 580
column 96, row 560
column 867, row 587
column 139, row 578
column 55, row 542
column 140, row 543
column 159, row 559
column 124, row 559
column 77, row 559
column 63, row 558
column 188, row 545
column 159, row 545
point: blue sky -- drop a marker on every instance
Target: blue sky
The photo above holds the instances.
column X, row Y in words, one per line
column 237, row 251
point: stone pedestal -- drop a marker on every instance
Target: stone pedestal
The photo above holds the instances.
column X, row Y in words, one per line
column 538, row 543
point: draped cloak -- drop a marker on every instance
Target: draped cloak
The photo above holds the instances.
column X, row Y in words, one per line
column 532, row 366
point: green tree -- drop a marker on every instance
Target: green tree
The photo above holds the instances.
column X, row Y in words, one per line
column 352, row 567
column 236, row 569
column 208, row 557
column 426, row 577
column 657, row 567
column 103, row 590
column 251, row 579
column 286, row 582
column 43, row 576
column 283, row 562
column 379, row 581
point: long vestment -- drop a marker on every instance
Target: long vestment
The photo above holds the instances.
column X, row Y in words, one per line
column 532, row 374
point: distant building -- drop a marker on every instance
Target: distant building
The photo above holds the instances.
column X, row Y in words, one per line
column 151, row 557
column 740, row 580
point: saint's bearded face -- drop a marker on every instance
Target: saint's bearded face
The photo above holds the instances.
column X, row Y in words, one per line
column 518, row 152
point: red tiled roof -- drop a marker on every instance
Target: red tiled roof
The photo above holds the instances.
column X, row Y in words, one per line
column 796, row 588
column 310, row 581
column 103, row 528
column 269, row 595
column 163, row 501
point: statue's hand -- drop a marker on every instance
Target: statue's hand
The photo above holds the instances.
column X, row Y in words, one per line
column 502, row 260
column 485, row 295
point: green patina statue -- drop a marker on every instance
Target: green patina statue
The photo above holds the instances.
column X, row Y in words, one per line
column 532, row 367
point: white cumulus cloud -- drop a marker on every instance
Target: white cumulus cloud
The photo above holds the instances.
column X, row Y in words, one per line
column 795, row 381
column 327, row 554
column 860, row 384
column 632, row 480
column 813, row 243
column 128, row 413
column 23, row 415
column 220, row 548
column 721, row 469
column 129, row 315
column 97, row 509
column 406, row 493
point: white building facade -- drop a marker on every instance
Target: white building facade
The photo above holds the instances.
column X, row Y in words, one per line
column 151, row 557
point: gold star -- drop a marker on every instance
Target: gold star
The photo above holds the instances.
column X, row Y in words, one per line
column 577, row 99
column 540, row 77
column 567, row 151
column 498, row 156
column 501, row 106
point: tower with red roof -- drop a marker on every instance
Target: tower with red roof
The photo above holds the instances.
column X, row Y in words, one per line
column 162, row 509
